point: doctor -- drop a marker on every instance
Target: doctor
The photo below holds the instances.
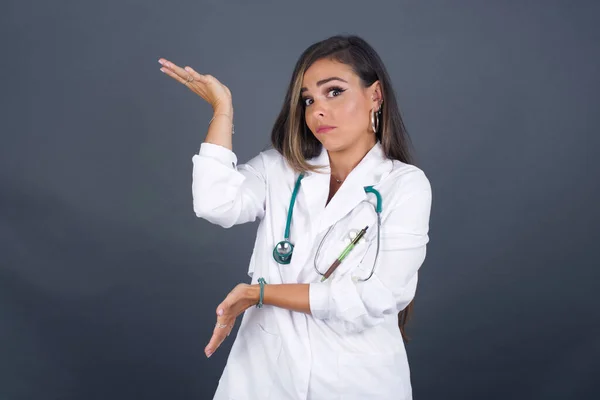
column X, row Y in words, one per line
column 339, row 132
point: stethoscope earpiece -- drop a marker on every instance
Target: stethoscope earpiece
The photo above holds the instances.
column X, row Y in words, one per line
column 351, row 235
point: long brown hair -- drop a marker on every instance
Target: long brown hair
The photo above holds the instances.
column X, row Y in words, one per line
column 291, row 136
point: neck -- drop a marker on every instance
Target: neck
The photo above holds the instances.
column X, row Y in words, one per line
column 343, row 162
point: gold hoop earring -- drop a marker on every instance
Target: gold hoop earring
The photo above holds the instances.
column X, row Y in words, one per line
column 375, row 120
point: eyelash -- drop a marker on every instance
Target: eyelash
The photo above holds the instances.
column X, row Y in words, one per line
column 331, row 89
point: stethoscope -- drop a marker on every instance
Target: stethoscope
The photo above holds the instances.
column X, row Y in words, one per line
column 282, row 252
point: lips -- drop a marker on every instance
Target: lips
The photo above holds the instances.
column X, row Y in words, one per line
column 325, row 128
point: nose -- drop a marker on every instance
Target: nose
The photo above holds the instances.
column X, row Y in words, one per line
column 319, row 109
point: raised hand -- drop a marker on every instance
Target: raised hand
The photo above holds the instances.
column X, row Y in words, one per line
column 206, row 86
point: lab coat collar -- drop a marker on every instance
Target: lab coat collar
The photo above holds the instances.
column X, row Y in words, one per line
column 370, row 171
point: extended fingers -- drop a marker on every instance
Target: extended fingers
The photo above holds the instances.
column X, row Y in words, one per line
column 221, row 331
column 196, row 75
column 173, row 75
column 175, row 72
column 173, row 67
column 182, row 75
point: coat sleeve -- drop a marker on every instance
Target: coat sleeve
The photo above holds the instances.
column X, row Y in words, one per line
column 225, row 193
column 358, row 305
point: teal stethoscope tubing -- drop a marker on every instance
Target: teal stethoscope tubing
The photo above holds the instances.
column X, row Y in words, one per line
column 282, row 252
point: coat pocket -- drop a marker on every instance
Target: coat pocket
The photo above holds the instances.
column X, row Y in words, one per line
column 372, row 376
column 250, row 365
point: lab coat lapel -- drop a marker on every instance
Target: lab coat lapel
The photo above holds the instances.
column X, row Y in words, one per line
column 352, row 191
column 369, row 171
column 315, row 187
column 348, row 196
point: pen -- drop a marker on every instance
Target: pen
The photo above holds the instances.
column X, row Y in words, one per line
column 347, row 250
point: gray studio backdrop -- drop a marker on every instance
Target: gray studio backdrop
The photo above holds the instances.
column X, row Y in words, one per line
column 108, row 281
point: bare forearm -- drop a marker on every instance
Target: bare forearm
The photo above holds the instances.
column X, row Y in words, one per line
column 293, row 296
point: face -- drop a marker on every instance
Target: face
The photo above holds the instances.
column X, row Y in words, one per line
column 337, row 105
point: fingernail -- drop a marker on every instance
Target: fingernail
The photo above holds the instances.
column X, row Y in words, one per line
column 220, row 312
column 209, row 353
column 187, row 69
column 162, row 70
column 161, row 61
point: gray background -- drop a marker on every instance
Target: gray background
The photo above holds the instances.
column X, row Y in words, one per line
column 108, row 281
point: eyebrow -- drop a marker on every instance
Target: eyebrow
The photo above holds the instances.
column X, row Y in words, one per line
column 324, row 81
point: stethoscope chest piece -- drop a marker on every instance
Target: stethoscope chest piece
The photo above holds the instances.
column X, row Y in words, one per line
column 282, row 253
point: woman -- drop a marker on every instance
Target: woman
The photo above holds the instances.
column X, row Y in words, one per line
column 315, row 334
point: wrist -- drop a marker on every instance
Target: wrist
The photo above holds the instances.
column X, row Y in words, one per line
column 224, row 109
column 253, row 294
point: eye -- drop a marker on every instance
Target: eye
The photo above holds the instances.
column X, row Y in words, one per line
column 305, row 101
column 336, row 89
column 333, row 91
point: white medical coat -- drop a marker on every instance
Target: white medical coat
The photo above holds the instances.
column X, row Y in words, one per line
column 350, row 346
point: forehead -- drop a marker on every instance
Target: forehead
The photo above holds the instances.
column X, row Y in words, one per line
column 325, row 68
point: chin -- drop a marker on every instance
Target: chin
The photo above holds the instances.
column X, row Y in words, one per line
column 333, row 147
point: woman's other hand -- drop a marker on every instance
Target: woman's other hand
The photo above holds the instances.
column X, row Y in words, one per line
column 206, row 86
column 241, row 298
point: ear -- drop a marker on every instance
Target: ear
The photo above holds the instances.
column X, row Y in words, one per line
column 376, row 95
